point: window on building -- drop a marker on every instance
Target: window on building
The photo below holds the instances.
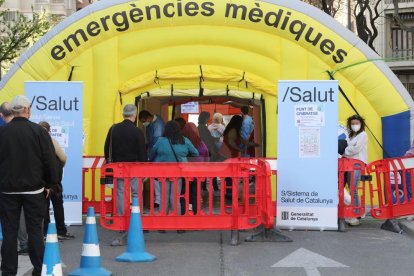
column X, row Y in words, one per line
column 403, row 41
column 399, row 1
column 407, row 79
column 410, row 88
column 10, row 16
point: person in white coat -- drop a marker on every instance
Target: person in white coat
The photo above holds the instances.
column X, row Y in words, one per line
column 357, row 149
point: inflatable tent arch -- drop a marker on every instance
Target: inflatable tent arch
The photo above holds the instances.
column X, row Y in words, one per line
column 123, row 49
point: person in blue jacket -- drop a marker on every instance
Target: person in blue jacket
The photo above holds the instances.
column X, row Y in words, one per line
column 154, row 129
column 172, row 147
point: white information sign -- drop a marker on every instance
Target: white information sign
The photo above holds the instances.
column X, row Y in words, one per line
column 191, row 107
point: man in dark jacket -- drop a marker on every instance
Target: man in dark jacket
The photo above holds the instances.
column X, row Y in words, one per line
column 128, row 143
column 125, row 143
column 28, row 174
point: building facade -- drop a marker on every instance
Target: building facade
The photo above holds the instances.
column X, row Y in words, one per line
column 395, row 43
column 62, row 8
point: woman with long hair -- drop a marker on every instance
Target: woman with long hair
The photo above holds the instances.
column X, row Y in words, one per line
column 357, row 149
column 232, row 139
column 172, row 147
column 231, row 147
column 191, row 132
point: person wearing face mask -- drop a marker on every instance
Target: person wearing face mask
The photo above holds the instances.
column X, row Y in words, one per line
column 357, row 149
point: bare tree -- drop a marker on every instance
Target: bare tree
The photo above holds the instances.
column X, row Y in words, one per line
column 365, row 13
column 16, row 35
column 331, row 7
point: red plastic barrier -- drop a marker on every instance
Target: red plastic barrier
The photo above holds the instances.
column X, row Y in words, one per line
column 347, row 169
column 249, row 207
column 393, row 188
column 91, row 166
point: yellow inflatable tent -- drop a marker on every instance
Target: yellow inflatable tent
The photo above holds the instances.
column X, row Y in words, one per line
column 129, row 50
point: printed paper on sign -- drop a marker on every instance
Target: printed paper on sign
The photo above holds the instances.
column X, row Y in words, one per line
column 309, row 115
column 309, row 142
column 61, row 135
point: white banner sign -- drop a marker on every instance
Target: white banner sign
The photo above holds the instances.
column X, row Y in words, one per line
column 307, row 193
column 60, row 104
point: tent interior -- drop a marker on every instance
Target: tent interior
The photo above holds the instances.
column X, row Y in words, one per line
column 170, row 108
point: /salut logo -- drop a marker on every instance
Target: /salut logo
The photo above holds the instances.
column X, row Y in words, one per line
column 295, row 94
column 56, row 104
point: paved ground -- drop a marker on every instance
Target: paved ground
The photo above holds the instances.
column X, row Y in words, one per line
column 363, row 250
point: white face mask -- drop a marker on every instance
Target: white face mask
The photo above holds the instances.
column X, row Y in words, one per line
column 356, row 128
column 146, row 124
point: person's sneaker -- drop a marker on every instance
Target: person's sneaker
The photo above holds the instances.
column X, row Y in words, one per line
column 353, row 222
column 67, row 236
column 24, row 251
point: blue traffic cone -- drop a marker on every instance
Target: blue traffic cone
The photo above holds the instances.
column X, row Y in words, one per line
column 90, row 262
column 51, row 259
column 136, row 246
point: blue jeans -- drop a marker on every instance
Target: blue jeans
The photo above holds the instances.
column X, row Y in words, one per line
column 169, row 186
column 120, row 194
column 355, row 185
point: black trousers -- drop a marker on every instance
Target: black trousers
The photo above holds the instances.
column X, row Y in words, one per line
column 59, row 214
column 10, row 209
column 192, row 196
column 215, row 184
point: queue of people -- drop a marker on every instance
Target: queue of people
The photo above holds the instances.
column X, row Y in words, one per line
column 174, row 141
